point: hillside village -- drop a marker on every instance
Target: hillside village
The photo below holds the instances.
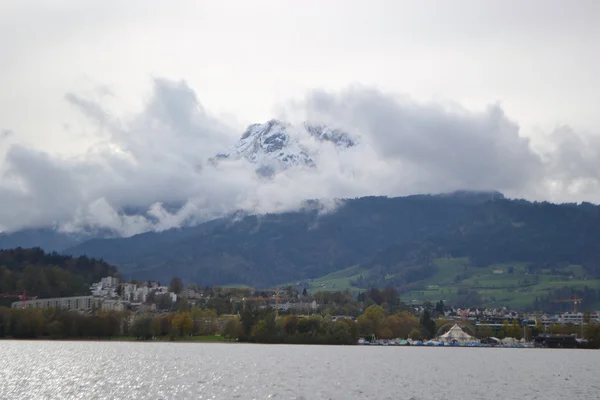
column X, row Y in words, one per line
column 150, row 297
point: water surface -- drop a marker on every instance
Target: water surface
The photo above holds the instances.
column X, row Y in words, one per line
column 121, row 370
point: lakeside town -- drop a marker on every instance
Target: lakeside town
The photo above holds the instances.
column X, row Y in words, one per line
column 219, row 312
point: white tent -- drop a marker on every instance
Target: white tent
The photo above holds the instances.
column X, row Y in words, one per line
column 511, row 341
column 456, row 334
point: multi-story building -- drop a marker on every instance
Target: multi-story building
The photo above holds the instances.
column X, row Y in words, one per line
column 80, row 303
column 107, row 287
column 112, row 305
column 134, row 293
column 570, row 318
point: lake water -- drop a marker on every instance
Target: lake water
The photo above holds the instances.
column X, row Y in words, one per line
column 120, row 370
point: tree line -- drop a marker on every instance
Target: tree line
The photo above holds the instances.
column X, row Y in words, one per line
column 255, row 325
column 52, row 323
column 48, row 274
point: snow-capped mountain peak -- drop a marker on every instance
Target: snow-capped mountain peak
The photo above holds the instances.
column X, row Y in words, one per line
column 275, row 145
column 262, row 143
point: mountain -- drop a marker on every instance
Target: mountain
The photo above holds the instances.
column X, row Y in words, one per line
column 467, row 248
column 52, row 239
column 271, row 146
column 274, row 248
column 276, row 145
column 49, row 239
column 385, row 236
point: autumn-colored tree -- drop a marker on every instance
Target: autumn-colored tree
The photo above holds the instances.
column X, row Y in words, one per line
column 182, row 324
column 402, row 323
column 372, row 321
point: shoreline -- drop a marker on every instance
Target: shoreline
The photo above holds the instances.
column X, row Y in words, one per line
column 224, row 341
column 124, row 339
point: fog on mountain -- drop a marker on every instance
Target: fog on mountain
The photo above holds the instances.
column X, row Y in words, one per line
column 356, row 142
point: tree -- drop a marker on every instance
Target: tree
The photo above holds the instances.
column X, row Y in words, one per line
column 182, row 324
column 371, row 322
column 592, row 334
column 416, row 334
column 428, row 324
column 266, row 329
column 48, row 274
column 55, row 329
column 401, row 324
column 176, row 285
column 142, row 327
column 249, row 318
column 290, row 325
column 341, row 333
column 232, row 329
column 439, row 307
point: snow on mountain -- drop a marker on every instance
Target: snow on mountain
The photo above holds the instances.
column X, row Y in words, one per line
column 275, row 145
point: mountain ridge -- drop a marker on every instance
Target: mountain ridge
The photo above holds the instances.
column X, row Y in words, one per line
column 456, row 240
column 384, row 235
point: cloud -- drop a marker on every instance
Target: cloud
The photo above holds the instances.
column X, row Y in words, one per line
column 157, row 161
column 438, row 148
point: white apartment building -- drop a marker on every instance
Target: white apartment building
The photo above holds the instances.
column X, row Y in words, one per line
column 80, row 303
column 112, row 305
column 131, row 292
column 107, row 287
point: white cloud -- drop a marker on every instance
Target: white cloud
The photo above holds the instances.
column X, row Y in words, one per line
column 159, row 157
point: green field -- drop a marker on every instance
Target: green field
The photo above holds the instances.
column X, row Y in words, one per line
column 495, row 284
column 516, row 289
column 336, row 281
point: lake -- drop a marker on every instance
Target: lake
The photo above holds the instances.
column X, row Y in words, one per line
column 148, row 371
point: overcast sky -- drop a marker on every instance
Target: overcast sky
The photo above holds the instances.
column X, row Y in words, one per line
column 109, row 103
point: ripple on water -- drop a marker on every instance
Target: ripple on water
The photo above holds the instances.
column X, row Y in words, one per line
column 109, row 370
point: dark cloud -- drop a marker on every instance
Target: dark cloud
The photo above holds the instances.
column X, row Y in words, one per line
column 159, row 156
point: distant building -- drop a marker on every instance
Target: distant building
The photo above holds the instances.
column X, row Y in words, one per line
column 81, row 303
column 113, row 305
column 190, row 294
column 570, row 318
column 134, row 293
column 107, row 287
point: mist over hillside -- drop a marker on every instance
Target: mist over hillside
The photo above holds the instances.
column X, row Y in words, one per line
column 175, row 164
column 394, row 241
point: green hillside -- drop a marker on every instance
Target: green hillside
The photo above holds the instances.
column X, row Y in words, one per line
column 336, row 281
column 506, row 284
column 427, row 246
column 509, row 285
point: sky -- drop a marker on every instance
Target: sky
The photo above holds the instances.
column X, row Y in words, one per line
column 110, row 104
